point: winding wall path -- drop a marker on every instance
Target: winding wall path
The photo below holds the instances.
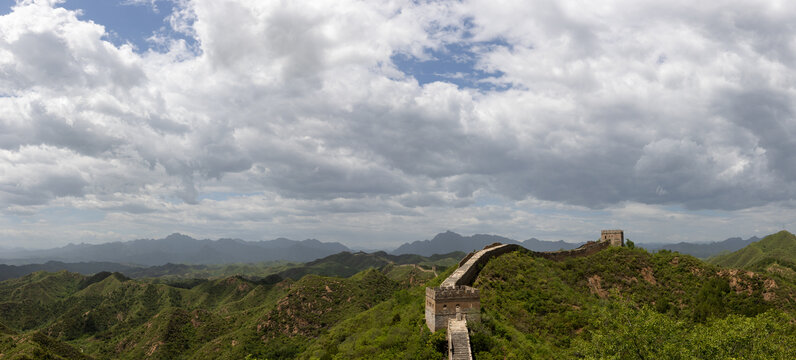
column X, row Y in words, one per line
column 472, row 264
column 465, row 274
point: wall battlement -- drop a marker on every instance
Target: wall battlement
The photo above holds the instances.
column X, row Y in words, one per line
column 586, row 249
column 443, row 304
column 458, row 292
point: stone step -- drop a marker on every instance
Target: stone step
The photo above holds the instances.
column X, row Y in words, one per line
column 459, row 340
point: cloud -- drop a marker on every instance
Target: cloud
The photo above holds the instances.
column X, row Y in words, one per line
column 599, row 106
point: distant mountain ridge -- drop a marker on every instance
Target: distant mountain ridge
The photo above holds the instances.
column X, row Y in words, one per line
column 178, row 248
column 450, row 241
column 85, row 268
column 703, row 250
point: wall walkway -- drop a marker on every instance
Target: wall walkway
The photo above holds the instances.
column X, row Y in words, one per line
column 464, row 275
column 458, row 340
column 467, row 272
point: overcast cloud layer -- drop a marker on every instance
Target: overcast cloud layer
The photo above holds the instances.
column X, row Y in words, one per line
column 672, row 120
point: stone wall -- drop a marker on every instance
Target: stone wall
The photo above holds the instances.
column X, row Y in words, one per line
column 467, row 272
column 586, row 249
column 615, row 237
column 455, row 293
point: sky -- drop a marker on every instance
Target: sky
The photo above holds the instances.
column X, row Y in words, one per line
column 374, row 123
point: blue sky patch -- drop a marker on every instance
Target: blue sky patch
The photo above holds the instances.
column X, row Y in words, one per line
column 124, row 21
column 456, row 63
column 5, row 6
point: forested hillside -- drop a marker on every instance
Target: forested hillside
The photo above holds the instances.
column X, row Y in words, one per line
column 619, row 303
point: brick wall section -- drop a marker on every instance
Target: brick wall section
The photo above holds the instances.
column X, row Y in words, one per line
column 586, row 249
column 455, row 293
column 443, row 303
column 467, row 272
column 473, row 263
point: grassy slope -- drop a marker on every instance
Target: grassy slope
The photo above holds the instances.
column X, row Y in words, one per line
column 36, row 346
column 780, row 246
column 183, row 271
column 111, row 316
column 393, row 329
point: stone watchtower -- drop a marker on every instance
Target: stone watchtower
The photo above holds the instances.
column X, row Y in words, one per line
column 455, row 299
column 615, row 237
column 444, row 303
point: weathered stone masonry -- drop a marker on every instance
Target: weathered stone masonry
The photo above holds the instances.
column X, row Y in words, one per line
column 455, row 293
column 615, row 237
column 443, row 303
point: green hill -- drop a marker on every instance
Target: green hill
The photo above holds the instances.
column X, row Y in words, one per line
column 108, row 315
column 37, row 346
column 346, row 264
column 619, row 303
column 779, row 247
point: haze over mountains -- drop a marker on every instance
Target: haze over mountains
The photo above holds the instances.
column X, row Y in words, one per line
column 182, row 249
column 178, row 248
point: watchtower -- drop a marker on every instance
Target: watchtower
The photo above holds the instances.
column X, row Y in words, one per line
column 442, row 304
column 615, row 237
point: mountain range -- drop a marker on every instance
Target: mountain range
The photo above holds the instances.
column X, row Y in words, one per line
column 178, row 248
column 182, row 249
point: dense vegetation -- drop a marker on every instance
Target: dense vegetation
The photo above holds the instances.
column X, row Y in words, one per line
column 620, row 303
column 109, row 315
column 611, row 304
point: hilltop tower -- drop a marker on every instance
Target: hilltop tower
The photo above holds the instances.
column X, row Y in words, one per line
column 443, row 304
column 615, row 237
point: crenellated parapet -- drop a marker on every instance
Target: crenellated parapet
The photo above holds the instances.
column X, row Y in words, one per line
column 586, row 249
column 458, row 292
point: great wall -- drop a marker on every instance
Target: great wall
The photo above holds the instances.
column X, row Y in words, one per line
column 455, row 302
